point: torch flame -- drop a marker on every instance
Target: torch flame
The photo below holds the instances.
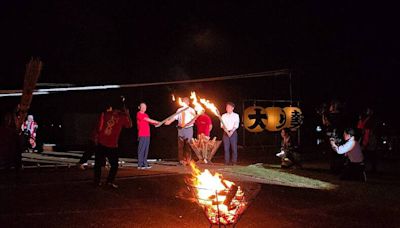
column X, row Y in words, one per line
column 213, row 194
column 197, row 106
column 210, row 106
column 181, row 103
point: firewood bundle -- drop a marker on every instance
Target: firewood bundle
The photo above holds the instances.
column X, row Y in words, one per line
column 205, row 148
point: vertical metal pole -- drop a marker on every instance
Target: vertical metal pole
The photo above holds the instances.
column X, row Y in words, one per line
column 290, row 88
column 243, row 128
column 298, row 133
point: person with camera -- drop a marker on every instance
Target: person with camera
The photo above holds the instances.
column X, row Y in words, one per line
column 109, row 130
column 288, row 153
column 333, row 121
column 354, row 169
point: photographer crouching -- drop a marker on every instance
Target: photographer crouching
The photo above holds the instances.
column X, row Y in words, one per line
column 354, row 169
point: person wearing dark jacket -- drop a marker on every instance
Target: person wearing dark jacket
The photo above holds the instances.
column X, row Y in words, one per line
column 288, row 152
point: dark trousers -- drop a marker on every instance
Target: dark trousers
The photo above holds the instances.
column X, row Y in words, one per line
column 143, row 151
column 230, row 142
column 291, row 158
column 354, row 171
column 337, row 162
column 89, row 152
column 102, row 153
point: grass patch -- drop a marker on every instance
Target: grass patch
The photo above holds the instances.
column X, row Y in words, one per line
column 280, row 177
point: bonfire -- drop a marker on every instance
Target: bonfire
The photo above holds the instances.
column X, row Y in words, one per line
column 222, row 201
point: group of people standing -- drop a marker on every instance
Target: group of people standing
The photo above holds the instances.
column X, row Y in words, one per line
column 187, row 119
column 104, row 140
column 350, row 145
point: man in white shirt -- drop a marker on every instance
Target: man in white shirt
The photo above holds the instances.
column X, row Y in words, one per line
column 230, row 123
column 185, row 131
column 352, row 149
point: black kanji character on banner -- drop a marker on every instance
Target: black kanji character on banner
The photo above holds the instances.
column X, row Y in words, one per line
column 258, row 119
column 282, row 121
column 297, row 119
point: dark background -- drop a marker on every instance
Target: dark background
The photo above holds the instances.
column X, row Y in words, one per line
column 344, row 50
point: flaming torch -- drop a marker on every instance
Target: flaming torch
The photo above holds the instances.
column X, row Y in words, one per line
column 197, row 107
column 213, row 109
column 223, row 201
column 182, row 104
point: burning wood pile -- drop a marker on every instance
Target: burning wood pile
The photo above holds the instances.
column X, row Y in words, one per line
column 205, row 148
column 222, row 201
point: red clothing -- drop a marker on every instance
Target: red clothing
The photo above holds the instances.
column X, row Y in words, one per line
column 142, row 124
column 364, row 126
column 110, row 126
column 31, row 127
column 203, row 123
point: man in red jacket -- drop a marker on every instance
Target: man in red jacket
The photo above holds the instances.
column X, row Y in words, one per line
column 109, row 129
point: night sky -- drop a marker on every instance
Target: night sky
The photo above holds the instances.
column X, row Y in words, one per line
column 335, row 50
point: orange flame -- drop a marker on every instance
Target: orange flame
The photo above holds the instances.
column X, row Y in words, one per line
column 181, row 103
column 212, row 192
column 210, row 106
column 197, row 106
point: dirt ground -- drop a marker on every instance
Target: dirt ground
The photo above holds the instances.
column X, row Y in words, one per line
column 65, row 197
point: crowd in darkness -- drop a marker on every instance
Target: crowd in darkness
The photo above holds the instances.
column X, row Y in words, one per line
column 351, row 145
column 354, row 147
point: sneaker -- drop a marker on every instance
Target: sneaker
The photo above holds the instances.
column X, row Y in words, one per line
column 140, row 167
column 112, row 185
column 147, row 167
column 280, row 154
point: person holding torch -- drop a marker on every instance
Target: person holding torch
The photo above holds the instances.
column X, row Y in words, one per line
column 185, row 130
column 143, row 126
